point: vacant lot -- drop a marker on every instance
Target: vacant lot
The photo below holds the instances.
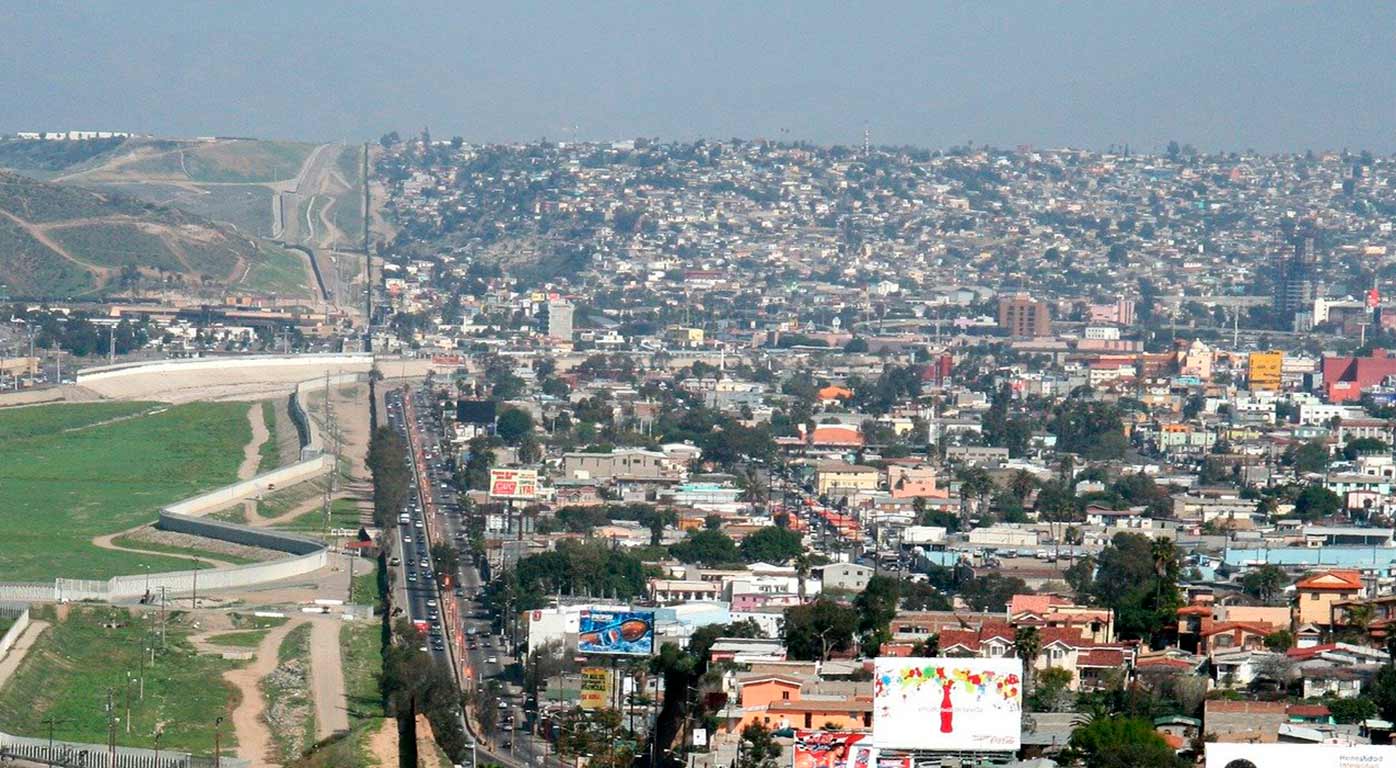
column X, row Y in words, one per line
column 68, row 673
column 72, row 472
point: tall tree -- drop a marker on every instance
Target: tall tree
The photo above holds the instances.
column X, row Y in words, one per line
column 1027, row 644
column 815, row 630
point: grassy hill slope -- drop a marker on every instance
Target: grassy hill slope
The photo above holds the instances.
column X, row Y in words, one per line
column 59, row 240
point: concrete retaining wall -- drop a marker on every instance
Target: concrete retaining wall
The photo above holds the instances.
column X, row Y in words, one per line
column 20, row 613
column 98, row 755
column 245, row 361
column 264, row 538
column 312, row 442
column 230, row 494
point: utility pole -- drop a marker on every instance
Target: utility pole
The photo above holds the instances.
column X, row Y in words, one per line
column 111, row 729
column 128, row 702
column 194, row 599
column 162, row 617
column 217, row 742
column 51, row 722
column 111, row 345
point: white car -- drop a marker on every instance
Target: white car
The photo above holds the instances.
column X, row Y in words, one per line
column 492, row 660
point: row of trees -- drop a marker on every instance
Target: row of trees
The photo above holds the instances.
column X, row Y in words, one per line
column 387, row 461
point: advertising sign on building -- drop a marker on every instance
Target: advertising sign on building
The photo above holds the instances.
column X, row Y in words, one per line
column 629, row 633
column 596, row 688
column 1221, row 755
column 825, row 749
column 513, row 483
column 948, row 704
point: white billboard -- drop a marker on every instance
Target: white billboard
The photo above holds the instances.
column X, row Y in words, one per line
column 948, row 704
column 1221, row 755
column 513, row 483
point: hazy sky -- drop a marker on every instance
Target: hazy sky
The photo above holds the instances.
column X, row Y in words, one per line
column 1224, row 75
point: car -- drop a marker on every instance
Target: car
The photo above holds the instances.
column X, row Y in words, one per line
column 492, row 660
column 412, row 577
column 406, row 539
column 460, row 592
column 431, row 603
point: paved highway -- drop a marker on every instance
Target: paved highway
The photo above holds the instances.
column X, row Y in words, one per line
column 460, row 628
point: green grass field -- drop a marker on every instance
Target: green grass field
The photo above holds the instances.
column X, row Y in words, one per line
column 344, row 513
column 279, row 271
column 67, row 676
column 68, row 478
column 249, row 639
column 269, row 457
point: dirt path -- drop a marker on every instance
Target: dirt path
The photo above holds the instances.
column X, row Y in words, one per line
column 252, row 455
column 108, row 542
column 253, row 736
column 382, row 744
column 17, row 652
column 103, row 274
column 316, row 502
column 327, row 678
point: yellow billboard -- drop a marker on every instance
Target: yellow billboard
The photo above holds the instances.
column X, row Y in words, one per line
column 596, row 688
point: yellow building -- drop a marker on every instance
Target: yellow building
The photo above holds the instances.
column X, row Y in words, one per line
column 684, row 337
column 1316, row 597
column 1265, row 370
column 846, row 477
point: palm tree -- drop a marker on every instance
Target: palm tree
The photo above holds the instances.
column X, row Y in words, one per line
column 802, row 566
column 754, row 489
column 1027, row 644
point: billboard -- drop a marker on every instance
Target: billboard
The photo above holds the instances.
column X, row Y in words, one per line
column 948, row 704
column 596, row 688
column 479, row 412
column 513, row 483
column 864, row 755
column 1221, row 755
column 825, row 749
column 619, row 632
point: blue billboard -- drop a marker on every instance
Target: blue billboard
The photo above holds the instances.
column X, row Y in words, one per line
column 628, row 633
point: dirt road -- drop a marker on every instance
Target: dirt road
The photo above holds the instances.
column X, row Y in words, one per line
column 253, row 736
column 327, row 678
column 17, row 652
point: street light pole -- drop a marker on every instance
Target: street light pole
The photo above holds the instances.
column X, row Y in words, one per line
column 217, row 743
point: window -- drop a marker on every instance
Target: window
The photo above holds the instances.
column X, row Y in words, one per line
column 785, row 695
column 1313, row 596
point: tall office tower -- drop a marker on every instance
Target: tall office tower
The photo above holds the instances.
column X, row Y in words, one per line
column 1023, row 316
column 1295, row 281
column 557, row 320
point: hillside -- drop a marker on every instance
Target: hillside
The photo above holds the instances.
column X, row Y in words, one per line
column 59, row 240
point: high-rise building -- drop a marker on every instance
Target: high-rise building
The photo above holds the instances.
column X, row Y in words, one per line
column 1295, row 282
column 1023, row 316
column 557, row 320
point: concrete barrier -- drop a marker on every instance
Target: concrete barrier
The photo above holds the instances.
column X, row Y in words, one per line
column 100, row 756
column 312, row 442
column 219, row 498
column 20, row 613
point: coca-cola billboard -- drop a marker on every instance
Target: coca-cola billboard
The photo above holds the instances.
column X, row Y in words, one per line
column 948, row 704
